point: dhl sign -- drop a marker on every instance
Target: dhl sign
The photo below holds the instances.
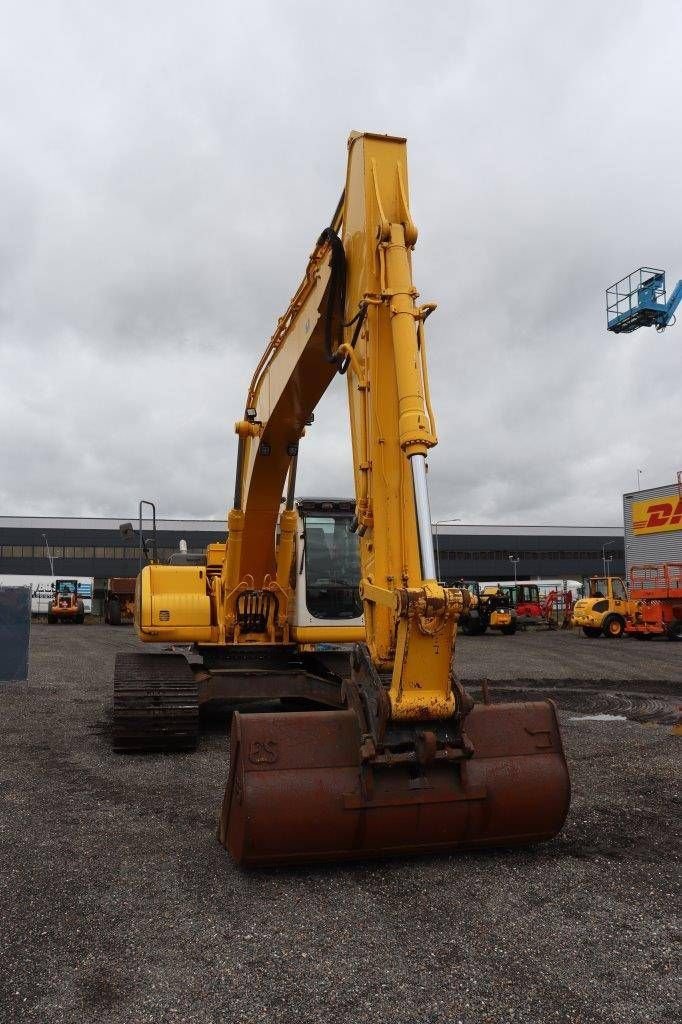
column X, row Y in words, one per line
column 657, row 515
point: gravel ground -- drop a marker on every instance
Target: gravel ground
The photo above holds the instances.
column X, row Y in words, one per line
column 567, row 654
column 118, row 905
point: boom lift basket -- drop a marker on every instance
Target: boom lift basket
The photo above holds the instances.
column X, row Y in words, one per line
column 637, row 300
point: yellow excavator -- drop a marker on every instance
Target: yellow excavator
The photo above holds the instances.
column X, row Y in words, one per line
column 393, row 757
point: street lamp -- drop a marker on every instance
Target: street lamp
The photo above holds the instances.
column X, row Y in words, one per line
column 639, row 473
column 438, row 523
column 49, row 555
column 608, row 544
column 514, row 559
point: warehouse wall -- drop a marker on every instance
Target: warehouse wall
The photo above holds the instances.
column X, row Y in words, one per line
column 653, row 548
column 87, row 552
column 559, row 556
column 100, row 551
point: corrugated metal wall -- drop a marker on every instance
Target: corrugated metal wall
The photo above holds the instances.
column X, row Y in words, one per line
column 650, row 548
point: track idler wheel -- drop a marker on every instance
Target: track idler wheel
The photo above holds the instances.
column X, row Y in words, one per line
column 156, row 703
column 301, row 788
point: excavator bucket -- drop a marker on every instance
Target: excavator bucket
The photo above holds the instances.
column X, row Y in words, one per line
column 302, row 789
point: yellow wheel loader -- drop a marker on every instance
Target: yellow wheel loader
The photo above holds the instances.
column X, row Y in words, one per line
column 395, row 757
column 65, row 604
column 605, row 610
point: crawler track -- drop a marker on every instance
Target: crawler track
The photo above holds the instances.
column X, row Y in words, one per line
column 155, row 703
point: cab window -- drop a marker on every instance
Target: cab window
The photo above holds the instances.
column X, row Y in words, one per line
column 332, row 560
column 618, row 590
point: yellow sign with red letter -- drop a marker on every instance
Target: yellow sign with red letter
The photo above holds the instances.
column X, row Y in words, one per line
column 657, row 515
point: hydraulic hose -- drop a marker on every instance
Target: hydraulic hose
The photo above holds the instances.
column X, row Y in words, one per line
column 336, row 301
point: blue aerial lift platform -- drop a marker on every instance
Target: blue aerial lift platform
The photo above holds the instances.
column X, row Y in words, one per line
column 638, row 300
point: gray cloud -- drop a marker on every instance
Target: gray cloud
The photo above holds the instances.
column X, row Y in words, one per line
column 165, row 170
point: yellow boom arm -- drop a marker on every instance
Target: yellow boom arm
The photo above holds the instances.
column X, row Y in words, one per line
column 356, row 311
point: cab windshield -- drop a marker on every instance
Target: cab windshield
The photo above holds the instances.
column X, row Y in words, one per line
column 66, row 586
column 332, row 560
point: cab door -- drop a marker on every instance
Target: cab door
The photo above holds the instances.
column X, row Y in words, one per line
column 618, row 596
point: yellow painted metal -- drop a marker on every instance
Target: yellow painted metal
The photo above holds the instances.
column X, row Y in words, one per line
column 410, row 622
column 285, row 551
column 412, row 635
column 589, row 612
column 427, row 627
column 328, row 634
column 289, row 381
column 215, row 554
column 172, row 602
column 662, row 514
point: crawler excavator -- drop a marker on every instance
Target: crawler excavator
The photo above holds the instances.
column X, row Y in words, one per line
column 395, row 758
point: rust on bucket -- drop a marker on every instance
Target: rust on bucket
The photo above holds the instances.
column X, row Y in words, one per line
column 302, row 788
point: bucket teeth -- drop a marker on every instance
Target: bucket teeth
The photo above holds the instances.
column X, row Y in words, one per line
column 303, row 788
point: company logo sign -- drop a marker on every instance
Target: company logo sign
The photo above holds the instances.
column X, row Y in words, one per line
column 657, row 515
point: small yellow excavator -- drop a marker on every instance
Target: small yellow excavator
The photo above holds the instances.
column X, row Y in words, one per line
column 395, row 757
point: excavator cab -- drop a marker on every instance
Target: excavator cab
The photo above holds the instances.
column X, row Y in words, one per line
column 328, row 564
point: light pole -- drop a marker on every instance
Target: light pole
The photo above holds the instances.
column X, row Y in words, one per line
column 514, row 559
column 608, row 544
column 49, row 555
column 438, row 523
column 639, row 473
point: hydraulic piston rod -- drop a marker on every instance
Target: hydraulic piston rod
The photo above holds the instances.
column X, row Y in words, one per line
column 421, row 501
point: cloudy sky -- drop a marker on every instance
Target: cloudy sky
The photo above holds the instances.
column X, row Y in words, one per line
column 165, row 168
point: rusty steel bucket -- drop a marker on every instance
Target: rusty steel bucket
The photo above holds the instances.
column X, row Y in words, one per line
column 299, row 791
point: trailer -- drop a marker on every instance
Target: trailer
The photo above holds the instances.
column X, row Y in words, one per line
column 119, row 600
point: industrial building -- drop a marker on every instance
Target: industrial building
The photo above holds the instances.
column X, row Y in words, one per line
column 96, row 547
column 484, row 552
column 653, row 525
column 91, row 547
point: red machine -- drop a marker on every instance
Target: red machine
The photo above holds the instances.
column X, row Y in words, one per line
column 655, row 601
column 554, row 609
column 557, row 609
